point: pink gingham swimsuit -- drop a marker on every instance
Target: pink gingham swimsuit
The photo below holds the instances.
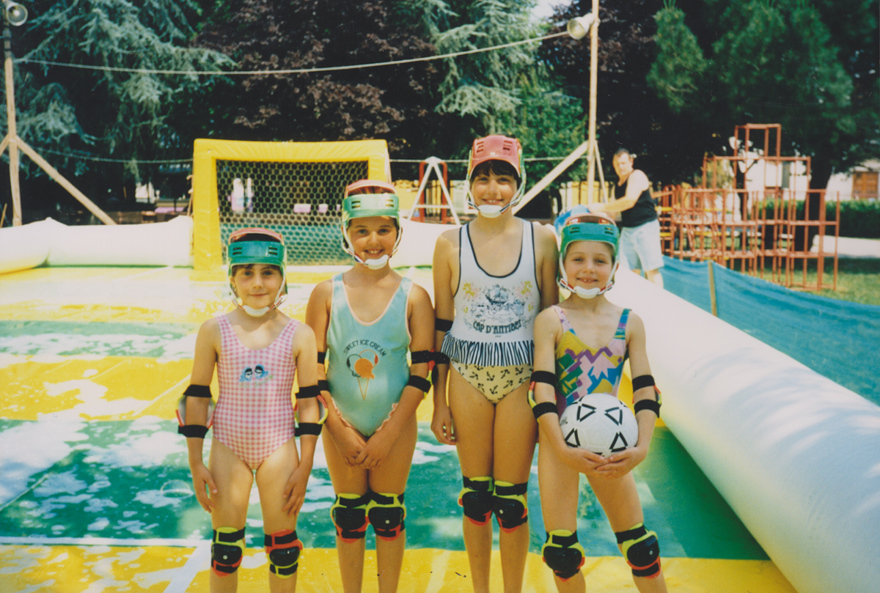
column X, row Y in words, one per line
column 254, row 412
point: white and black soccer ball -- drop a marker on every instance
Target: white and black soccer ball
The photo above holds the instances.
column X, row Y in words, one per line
column 599, row 423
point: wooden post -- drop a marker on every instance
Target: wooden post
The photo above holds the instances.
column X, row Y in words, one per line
column 594, row 67
column 712, row 296
column 12, row 133
column 14, row 143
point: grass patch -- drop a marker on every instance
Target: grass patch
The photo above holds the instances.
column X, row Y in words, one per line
column 858, row 280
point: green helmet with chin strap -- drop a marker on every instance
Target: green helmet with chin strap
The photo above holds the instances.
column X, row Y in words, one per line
column 365, row 199
column 588, row 227
column 256, row 246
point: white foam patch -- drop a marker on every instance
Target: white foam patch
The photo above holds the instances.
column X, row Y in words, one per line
column 64, row 483
column 26, row 558
column 8, row 360
column 99, row 524
column 90, row 393
column 149, row 580
column 157, row 499
column 147, row 444
column 31, row 448
column 319, row 495
column 429, row 452
column 179, row 349
column 94, row 404
column 50, row 346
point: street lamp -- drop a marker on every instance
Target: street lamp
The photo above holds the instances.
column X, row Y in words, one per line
column 15, row 13
column 578, row 29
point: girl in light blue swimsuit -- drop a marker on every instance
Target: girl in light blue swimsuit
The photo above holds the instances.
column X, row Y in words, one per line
column 367, row 320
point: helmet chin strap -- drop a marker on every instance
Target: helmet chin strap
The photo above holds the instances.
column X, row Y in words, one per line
column 494, row 210
column 585, row 293
column 374, row 264
column 254, row 312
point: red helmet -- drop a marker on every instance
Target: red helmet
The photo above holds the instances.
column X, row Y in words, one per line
column 496, row 148
column 369, row 186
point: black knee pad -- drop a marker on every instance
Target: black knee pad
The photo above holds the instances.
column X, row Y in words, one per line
column 283, row 549
column 510, row 505
column 227, row 550
column 476, row 499
column 563, row 554
column 349, row 515
column 386, row 513
column 641, row 550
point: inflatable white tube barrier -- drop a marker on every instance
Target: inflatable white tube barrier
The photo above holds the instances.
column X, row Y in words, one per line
column 417, row 243
column 795, row 455
column 55, row 244
column 26, row 246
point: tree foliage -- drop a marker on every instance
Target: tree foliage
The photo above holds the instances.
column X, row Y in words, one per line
column 809, row 65
column 678, row 73
column 506, row 91
column 106, row 124
column 388, row 102
column 629, row 114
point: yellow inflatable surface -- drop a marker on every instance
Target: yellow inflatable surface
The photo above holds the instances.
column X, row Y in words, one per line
column 96, row 497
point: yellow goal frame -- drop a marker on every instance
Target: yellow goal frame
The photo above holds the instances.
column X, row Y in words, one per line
column 207, row 248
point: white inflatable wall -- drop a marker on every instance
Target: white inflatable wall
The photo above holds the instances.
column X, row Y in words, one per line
column 55, row 244
column 417, row 243
column 25, row 246
column 795, row 455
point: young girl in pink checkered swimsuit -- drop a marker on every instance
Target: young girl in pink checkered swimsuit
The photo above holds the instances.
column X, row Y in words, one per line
column 257, row 352
column 254, row 413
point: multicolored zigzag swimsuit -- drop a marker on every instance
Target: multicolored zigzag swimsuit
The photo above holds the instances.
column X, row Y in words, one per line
column 582, row 370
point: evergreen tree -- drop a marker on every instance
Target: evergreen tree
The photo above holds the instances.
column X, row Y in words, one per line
column 809, row 65
column 345, row 103
column 103, row 124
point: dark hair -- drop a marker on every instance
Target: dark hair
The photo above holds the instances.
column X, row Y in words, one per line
column 498, row 168
column 236, row 267
column 256, row 237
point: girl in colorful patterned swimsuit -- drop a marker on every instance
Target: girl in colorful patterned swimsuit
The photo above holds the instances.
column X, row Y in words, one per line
column 580, row 348
column 367, row 320
column 491, row 277
column 258, row 351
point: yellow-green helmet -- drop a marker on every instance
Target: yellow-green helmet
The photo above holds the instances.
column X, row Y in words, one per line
column 256, row 246
column 588, row 227
column 364, row 199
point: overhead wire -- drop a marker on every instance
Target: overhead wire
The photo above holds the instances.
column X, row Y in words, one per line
column 288, row 71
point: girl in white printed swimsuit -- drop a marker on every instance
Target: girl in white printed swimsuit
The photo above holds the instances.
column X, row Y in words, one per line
column 491, row 278
column 258, row 351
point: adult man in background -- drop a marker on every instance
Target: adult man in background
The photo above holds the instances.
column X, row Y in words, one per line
column 639, row 225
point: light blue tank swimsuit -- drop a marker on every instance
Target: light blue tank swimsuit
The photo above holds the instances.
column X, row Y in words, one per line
column 367, row 363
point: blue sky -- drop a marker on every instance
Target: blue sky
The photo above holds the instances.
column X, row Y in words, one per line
column 545, row 7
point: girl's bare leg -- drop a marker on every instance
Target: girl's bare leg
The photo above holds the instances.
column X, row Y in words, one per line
column 272, row 477
column 620, row 500
column 559, row 486
column 234, row 480
column 473, row 416
column 515, row 434
column 391, row 478
column 347, row 480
